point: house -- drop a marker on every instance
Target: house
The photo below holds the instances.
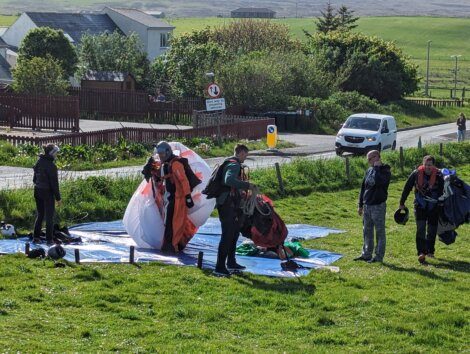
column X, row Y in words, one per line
column 154, row 33
column 253, row 12
column 108, row 80
column 156, row 14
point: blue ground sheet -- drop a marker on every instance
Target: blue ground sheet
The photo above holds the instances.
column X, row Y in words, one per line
column 109, row 242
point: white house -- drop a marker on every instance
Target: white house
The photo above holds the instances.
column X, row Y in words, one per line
column 153, row 33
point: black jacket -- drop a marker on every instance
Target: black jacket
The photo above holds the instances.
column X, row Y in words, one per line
column 374, row 189
column 46, row 176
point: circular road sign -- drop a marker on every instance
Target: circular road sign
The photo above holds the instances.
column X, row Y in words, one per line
column 213, row 90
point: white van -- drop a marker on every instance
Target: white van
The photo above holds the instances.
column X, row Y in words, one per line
column 363, row 132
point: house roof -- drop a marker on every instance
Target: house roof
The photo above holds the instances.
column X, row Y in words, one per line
column 117, row 76
column 74, row 24
column 5, row 73
column 253, row 9
column 142, row 17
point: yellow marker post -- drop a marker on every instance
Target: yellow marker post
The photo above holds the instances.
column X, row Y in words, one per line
column 271, row 136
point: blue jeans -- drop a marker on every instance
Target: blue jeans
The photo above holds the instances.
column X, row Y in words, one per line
column 460, row 135
column 374, row 218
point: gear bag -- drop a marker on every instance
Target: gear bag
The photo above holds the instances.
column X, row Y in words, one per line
column 215, row 185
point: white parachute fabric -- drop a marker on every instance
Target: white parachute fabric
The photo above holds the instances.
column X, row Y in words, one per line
column 143, row 220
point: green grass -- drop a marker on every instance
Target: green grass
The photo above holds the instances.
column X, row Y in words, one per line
column 398, row 306
column 12, row 156
column 448, row 36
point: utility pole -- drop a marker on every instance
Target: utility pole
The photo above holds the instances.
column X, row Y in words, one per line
column 456, row 57
column 296, row 3
column 426, row 89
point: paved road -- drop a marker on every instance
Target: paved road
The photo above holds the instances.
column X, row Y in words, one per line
column 310, row 146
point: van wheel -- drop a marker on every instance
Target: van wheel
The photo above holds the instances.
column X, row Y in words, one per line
column 394, row 145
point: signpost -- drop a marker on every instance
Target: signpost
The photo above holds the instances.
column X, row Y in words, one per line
column 215, row 104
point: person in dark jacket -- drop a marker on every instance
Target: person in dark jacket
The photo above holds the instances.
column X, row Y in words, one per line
column 461, row 127
column 428, row 184
column 46, row 191
column 372, row 207
column 228, row 206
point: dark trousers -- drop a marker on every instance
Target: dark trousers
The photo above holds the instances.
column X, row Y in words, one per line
column 426, row 229
column 229, row 215
column 167, row 245
column 45, row 207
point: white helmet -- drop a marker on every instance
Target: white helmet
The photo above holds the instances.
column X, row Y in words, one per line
column 7, row 230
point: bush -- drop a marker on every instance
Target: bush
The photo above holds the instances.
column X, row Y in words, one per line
column 354, row 102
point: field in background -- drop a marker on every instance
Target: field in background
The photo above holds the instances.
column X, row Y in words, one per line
column 449, row 36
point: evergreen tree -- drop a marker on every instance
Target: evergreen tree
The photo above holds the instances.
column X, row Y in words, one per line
column 346, row 19
column 328, row 21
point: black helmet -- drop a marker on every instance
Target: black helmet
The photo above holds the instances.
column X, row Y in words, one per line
column 401, row 216
column 56, row 252
column 164, row 149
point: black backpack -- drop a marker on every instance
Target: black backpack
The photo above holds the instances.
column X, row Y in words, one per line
column 215, row 186
column 190, row 175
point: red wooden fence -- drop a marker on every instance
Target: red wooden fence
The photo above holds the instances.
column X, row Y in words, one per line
column 39, row 112
column 242, row 130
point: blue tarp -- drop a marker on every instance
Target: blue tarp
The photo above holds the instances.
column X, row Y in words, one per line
column 109, row 242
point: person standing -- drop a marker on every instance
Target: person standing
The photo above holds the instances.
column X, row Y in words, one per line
column 176, row 200
column 230, row 213
column 372, row 207
column 461, row 127
column 428, row 183
column 46, row 192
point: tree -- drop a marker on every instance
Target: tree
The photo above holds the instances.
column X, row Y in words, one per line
column 114, row 52
column 39, row 76
column 369, row 65
column 346, row 19
column 45, row 41
column 328, row 21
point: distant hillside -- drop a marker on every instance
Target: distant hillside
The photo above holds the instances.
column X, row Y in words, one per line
column 284, row 8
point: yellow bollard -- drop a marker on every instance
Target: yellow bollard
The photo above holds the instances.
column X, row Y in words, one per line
column 271, row 136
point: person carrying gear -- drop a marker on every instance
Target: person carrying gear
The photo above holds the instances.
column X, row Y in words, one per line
column 176, row 200
column 46, row 192
column 230, row 213
column 429, row 185
column 372, row 207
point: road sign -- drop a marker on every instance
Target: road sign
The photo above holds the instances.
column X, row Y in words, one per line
column 215, row 104
column 213, row 90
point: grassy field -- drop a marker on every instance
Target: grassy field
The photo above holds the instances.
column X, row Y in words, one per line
column 398, row 306
column 448, row 36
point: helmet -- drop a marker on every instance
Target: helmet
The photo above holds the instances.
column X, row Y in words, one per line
column 164, row 149
column 7, row 230
column 56, row 252
column 401, row 216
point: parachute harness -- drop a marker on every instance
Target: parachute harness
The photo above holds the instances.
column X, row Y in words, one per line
column 254, row 201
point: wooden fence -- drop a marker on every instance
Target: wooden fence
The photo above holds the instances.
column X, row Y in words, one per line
column 39, row 112
column 240, row 130
column 134, row 107
column 436, row 103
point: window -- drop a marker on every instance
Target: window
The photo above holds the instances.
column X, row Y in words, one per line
column 165, row 40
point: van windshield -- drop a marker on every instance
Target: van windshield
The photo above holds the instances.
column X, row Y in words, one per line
column 362, row 123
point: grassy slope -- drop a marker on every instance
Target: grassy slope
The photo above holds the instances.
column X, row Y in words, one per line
column 399, row 306
column 448, row 37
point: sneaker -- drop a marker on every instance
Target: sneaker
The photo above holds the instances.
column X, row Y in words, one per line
column 362, row 258
column 235, row 266
column 221, row 273
column 37, row 240
column 422, row 258
column 374, row 260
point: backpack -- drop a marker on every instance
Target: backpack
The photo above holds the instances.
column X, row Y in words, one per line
column 215, row 187
column 190, row 175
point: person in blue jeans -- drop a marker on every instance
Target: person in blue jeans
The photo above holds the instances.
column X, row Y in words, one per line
column 372, row 207
column 461, row 127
